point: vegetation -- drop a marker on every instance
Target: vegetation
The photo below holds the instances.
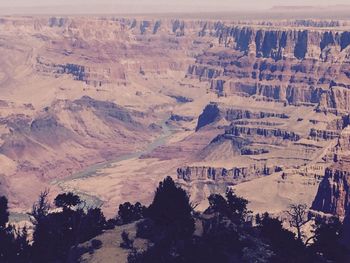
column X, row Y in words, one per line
column 327, row 240
column 129, row 213
column 225, row 232
column 228, row 232
column 14, row 245
column 298, row 217
column 55, row 233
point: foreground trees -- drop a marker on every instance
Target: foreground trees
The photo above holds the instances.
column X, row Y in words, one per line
column 224, row 232
column 55, row 233
column 227, row 233
column 298, row 218
column 129, row 213
column 169, row 225
column 327, row 240
column 14, row 245
column 171, row 211
column 284, row 244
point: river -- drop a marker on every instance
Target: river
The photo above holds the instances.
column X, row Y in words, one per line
column 93, row 170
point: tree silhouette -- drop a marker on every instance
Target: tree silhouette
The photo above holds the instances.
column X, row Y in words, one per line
column 327, row 239
column 237, row 207
column 92, row 223
column 225, row 237
column 298, row 218
column 128, row 213
column 4, row 214
column 233, row 208
column 169, row 225
column 57, row 232
column 40, row 209
column 14, row 245
column 171, row 210
column 45, row 238
column 283, row 243
column 217, row 204
column 67, row 200
column 127, row 242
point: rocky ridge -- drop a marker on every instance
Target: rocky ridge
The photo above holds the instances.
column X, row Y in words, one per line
column 222, row 175
column 333, row 193
column 294, row 66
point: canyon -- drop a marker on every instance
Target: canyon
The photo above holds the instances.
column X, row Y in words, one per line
column 107, row 106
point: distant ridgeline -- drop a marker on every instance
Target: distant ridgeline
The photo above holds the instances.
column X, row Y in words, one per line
column 294, row 61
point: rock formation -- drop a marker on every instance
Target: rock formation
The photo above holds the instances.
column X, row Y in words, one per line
column 333, row 193
column 214, row 112
column 291, row 65
column 221, row 175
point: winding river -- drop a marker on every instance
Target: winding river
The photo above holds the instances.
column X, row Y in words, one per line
column 93, row 170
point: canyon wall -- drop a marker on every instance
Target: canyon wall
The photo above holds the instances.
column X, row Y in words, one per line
column 295, row 66
column 333, row 196
column 333, row 193
column 233, row 176
column 110, row 50
column 213, row 112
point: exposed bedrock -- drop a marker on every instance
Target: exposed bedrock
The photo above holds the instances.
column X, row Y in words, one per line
column 323, row 134
column 210, row 114
column 236, row 131
column 92, row 75
column 337, row 98
column 280, row 43
column 253, row 151
column 178, row 118
column 292, row 66
column 112, row 50
column 214, row 112
column 238, row 141
column 233, row 175
column 333, row 196
column 104, row 109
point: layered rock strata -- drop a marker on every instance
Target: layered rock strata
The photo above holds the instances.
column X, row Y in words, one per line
column 333, row 196
column 233, row 175
column 294, row 66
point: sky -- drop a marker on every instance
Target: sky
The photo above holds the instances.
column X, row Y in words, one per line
column 160, row 5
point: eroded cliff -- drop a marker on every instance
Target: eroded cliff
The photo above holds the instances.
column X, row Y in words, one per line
column 333, row 196
column 295, row 66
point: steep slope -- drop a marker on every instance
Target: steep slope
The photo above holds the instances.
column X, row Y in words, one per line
column 66, row 137
column 333, row 193
column 296, row 66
